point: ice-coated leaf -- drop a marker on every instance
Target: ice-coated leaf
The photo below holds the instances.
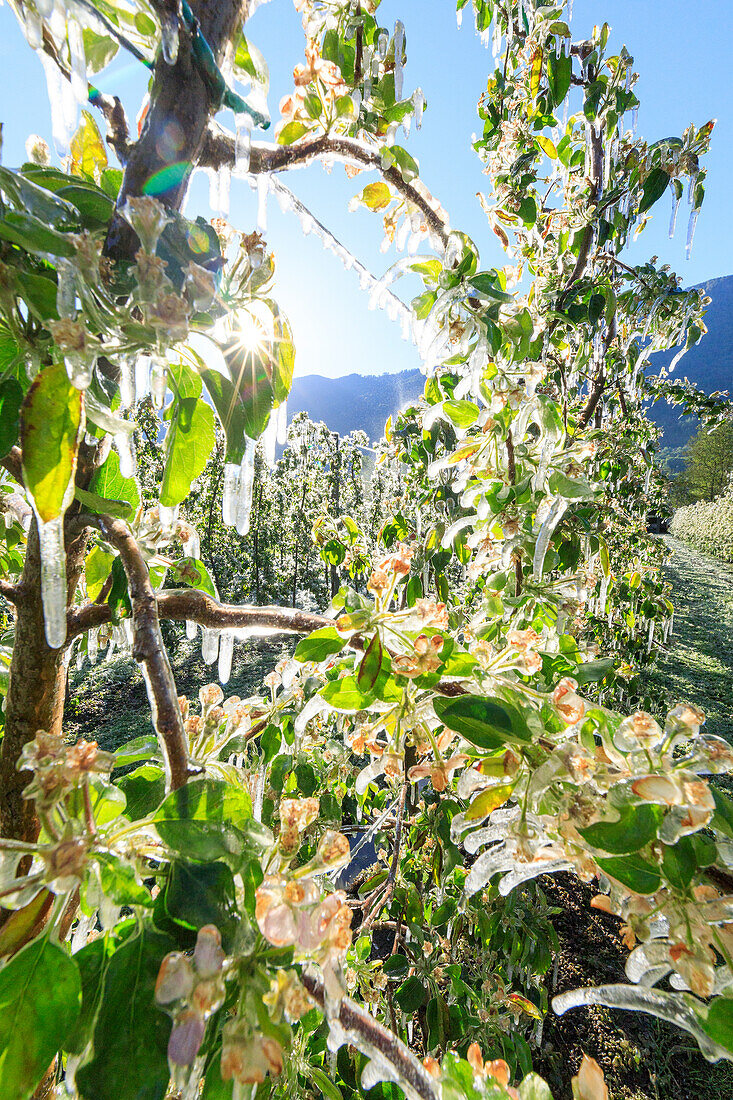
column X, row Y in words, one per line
column 131, row 1033
column 40, row 997
column 107, row 481
column 655, row 185
column 190, row 441
column 638, row 874
column 370, row 665
column 88, row 152
column 487, row 723
column 636, row 826
column 51, row 420
column 319, row 645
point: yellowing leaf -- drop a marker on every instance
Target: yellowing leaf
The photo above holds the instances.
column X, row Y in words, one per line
column 488, row 801
column 88, row 154
column 52, row 419
column 547, row 146
column 536, row 74
column 524, row 1005
column 376, row 195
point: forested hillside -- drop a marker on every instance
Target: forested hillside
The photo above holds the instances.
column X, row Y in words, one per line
column 365, row 401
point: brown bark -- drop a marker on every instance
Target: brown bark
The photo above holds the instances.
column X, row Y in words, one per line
column 36, row 688
column 175, row 127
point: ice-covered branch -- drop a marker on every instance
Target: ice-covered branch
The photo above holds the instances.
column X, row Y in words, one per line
column 148, row 649
column 13, row 463
column 219, row 150
column 379, row 1043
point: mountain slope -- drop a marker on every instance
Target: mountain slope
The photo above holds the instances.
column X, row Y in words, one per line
column 365, row 401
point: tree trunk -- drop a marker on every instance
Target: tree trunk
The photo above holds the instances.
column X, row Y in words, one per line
column 35, row 698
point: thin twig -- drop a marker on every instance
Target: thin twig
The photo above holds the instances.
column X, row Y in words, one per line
column 371, row 1036
column 219, row 150
column 148, row 648
column 386, row 892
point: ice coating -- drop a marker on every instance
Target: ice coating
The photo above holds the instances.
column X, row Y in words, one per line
column 168, row 516
column 488, row 864
column 246, row 483
column 230, row 494
column 142, row 377
column 78, row 61
column 691, row 232
column 64, row 107
column 209, row 645
column 124, row 445
column 418, row 102
column 602, row 597
column 191, row 629
column 529, row 871
column 53, row 579
column 169, row 38
column 665, row 1006
column 399, row 45
column 242, row 144
column 127, row 382
column 66, row 289
column 547, row 529
column 226, row 649
column 158, row 382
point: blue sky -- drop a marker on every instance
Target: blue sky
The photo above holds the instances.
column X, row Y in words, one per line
column 681, row 49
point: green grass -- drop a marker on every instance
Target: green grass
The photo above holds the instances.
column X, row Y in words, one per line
column 107, row 702
column 697, row 664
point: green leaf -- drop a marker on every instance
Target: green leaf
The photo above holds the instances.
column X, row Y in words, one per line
column 345, row 694
column 638, row 874
column 634, row 829
column 244, row 404
column 11, row 397
column 592, row 671
column 191, row 439
column 144, row 790
column 107, row 481
column 396, row 966
column 102, row 505
column 719, row 1022
column 40, row 295
column 94, row 205
column 370, row 665
column 203, row 893
column 411, row 994
column 487, row 723
column 679, row 863
column 559, row 73
column 40, row 998
column 99, row 50
column 96, row 570
column 655, row 185
column 570, row 488
column 119, row 883
column 193, row 572
column 131, row 1033
column 211, row 801
column 251, row 62
column 34, row 235
column 319, row 645
column 461, row 413
column 291, row 131
column 486, row 285
column 30, row 198
column 92, row 963
column 723, row 816
column 324, row 1084
column 52, row 419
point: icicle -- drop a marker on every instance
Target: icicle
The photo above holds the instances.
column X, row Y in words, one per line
column 673, row 217
column 225, row 186
column 281, row 414
column 607, row 161
column 242, row 144
column 93, row 644
column 602, row 597
column 263, row 186
column 459, row 18
column 399, row 43
column 124, row 443
column 691, row 232
column 647, row 479
column 634, row 121
column 367, row 69
column 66, row 290
column 269, row 440
column 158, row 382
column 53, row 579
column 246, row 482
column 226, row 648
column 209, row 645
column 382, row 44
column 191, row 630
column 553, row 517
column 78, row 61
column 168, row 514
column 230, row 494
column 127, row 382
column 169, row 37
column 142, row 377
